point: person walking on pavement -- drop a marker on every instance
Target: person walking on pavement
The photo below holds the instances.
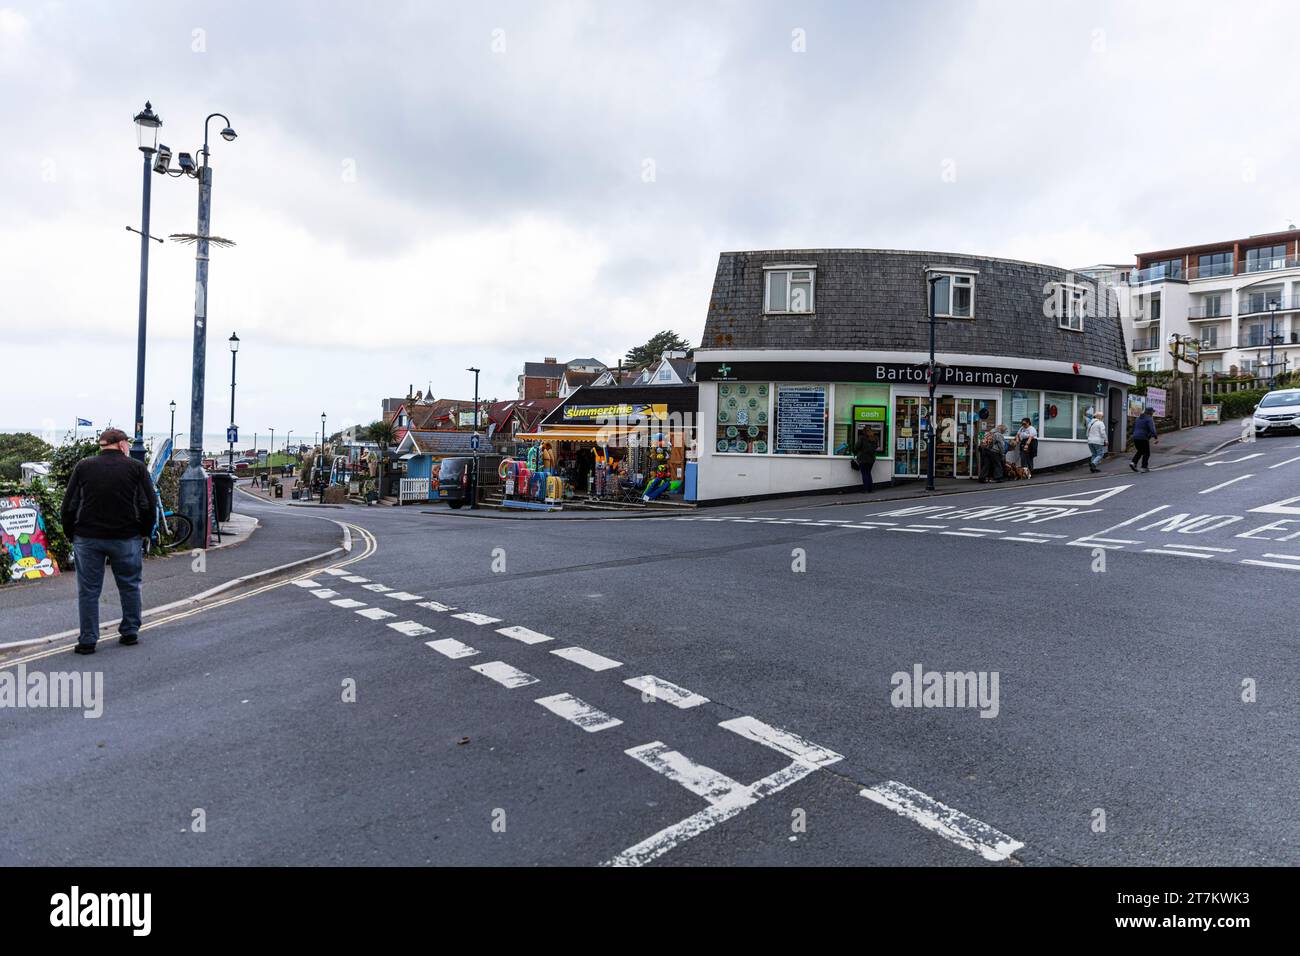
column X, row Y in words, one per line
column 108, row 514
column 1144, row 433
column 864, row 452
column 1027, row 439
column 1096, row 441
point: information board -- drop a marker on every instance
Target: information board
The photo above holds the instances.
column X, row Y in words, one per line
column 801, row 420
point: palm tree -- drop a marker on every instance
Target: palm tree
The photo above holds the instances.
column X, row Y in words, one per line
column 383, row 433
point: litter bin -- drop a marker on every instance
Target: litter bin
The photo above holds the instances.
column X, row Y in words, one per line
column 223, row 493
column 279, row 491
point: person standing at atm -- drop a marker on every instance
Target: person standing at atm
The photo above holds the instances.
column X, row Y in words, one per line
column 864, row 452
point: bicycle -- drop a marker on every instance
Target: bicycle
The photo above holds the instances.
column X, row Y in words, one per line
column 170, row 529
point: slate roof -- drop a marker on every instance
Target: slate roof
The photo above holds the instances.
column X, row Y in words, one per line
column 875, row 299
column 543, row 369
column 442, row 443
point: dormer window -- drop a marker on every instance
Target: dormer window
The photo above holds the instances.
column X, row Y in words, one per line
column 954, row 294
column 788, row 289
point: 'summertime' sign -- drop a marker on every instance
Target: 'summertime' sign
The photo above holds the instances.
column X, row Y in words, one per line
column 624, row 410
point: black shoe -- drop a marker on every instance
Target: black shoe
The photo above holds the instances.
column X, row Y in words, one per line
column 126, row 640
column 1145, row 470
column 85, row 649
column 1133, row 466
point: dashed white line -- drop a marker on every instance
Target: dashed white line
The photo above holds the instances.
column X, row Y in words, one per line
column 523, row 634
column 792, row 745
column 1024, row 540
column 578, row 712
column 1276, row 564
column 325, row 593
column 715, row 787
column 376, row 613
column 668, row 692
column 1224, row 484
column 962, row 534
column 403, row 596
column 987, row 530
column 587, row 659
column 377, row 588
column 355, row 579
column 1181, row 554
column 504, row 674
column 411, row 628
column 435, row 606
column 1281, row 463
column 952, row 825
column 338, row 572
column 348, row 603
column 448, row 647
column 306, row 583
column 475, row 618
column 1201, row 547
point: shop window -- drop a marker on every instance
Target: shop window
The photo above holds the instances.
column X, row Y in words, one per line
column 1084, row 406
column 789, row 290
column 954, row 296
column 801, row 417
column 858, row 407
column 743, row 425
column 1017, row 404
column 1058, row 416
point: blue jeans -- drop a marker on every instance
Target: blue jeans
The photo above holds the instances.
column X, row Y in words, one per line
column 1098, row 453
column 867, row 483
column 126, row 558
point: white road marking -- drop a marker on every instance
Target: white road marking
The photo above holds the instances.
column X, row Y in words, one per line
column 376, row 613
column 336, row 571
column 404, row 596
column 578, row 712
column 1116, row 540
column 448, row 647
column 1038, row 534
column 325, row 593
column 1284, row 507
column 435, row 606
column 1281, row 463
column 962, row 534
column 792, row 745
column 475, row 618
column 348, row 603
column 504, row 674
column 377, row 588
column 305, row 583
column 669, row 693
column 523, row 634
column 1181, row 554
column 880, row 524
column 355, row 579
column 912, row 530
column 411, row 628
column 1272, row 564
column 1287, row 557
column 987, row 530
column 1233, row 461
column 1224, row 484
column 1024, row 540
column 715, row 787
column 1091, row 497
column 1090, row 540
column 952, row 825
column 1201, row 547
column 584, row 657
column 835, row 520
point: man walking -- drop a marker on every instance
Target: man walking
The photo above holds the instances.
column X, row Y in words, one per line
column 108, row 508
column 1096, row 440
column 1144, row 433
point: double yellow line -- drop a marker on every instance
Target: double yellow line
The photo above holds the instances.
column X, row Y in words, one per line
column 371, row 546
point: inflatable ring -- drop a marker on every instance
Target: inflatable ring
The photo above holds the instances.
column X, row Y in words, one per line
column 503, row 469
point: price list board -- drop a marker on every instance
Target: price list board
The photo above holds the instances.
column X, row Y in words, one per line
column 801, row 420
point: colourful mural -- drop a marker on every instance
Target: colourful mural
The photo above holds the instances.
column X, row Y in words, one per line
column 22, row 534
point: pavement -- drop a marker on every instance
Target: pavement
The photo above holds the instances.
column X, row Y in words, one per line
column 725, row 688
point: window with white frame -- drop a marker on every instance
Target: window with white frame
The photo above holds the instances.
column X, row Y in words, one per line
column 1146, row 363
column 789, row 289
column 954, row 296
column 1074, row 302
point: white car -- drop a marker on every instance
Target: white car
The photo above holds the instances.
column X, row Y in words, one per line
column 1278, row 412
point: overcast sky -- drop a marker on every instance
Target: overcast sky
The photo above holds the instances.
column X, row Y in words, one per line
column 421, row 187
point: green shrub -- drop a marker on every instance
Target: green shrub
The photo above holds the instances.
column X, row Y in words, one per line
column 1240, row 404
column 18, row 448
column 65, row 458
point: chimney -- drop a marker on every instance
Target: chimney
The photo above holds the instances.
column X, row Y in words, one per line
column 550, row 361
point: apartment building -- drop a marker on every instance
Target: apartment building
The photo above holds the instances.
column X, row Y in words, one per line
column 1239, row 298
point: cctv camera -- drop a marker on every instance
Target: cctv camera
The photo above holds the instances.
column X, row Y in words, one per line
column 163, row 161
column 186, row 162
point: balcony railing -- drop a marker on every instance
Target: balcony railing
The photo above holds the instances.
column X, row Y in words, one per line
column 1196, row 271
column 1146, row 345
column 1263, row 341
column 1270, row 264
column 1177, row 273
column 1197, row 312
column 1257, row 304
column 1156, row 274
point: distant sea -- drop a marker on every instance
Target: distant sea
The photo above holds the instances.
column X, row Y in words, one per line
column 214, row 443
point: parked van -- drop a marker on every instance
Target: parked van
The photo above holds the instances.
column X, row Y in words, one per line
column 456, row 476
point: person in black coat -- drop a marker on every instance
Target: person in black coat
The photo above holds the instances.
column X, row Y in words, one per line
column 864, row 452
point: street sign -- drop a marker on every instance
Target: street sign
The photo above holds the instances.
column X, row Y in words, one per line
column 232, row 434
column 473, row 442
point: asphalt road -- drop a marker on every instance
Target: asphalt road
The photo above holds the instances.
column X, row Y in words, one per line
column 1121, row 623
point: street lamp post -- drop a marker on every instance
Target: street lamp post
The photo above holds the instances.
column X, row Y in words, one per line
column 171, row 438
column 234, row 353
column 473, row 488
column 147, row 123
column 324, row 477
column 193, row 497
column 269, row 453
column 929, row 377
column 1272, row 342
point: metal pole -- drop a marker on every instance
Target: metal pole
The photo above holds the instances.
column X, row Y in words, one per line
column 194, row 483
column 137, row 443
column 269, row 453
column 473, row 488
column 171, row 440
column 929, row 429
column 1272, row 337
column 230, row 439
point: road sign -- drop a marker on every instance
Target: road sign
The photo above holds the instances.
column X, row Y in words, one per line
column 232, row 434
column 473, row 442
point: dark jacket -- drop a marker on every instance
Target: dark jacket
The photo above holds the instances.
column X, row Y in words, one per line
column 865, row 450
column 109, row 496
column 1144, row 428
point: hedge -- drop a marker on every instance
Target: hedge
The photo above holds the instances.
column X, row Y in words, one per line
column 1240, row 404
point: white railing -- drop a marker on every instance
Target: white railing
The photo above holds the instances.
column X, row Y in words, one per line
column 414, row 489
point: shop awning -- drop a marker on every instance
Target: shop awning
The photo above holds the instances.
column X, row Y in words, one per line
column 609, row 433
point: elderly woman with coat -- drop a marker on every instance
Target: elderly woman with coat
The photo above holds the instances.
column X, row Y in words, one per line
column 864, row 453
